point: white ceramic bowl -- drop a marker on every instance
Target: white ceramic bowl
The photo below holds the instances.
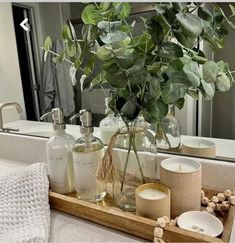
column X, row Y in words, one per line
column 201, row 222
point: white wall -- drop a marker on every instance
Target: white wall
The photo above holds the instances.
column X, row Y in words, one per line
column 10, row 79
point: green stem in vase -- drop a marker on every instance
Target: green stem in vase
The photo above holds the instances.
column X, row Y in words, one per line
column 137, row 158
column 127, row 157
column 161, row 131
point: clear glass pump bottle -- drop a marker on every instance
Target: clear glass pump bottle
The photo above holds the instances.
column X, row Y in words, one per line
column 59, row 155
column 87, row 153
column 109, row 125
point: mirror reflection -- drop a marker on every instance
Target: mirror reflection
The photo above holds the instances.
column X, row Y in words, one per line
column 37, row 84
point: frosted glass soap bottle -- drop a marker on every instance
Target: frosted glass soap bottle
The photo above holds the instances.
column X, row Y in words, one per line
column 88, row 151
column 59, row 155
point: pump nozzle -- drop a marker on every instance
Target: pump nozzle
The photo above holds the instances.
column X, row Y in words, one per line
column 58, row 118
column 86, row 121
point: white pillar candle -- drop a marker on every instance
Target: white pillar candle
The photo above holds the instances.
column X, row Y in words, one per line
column 153, row 200
column 199, row 147
column 183, row 177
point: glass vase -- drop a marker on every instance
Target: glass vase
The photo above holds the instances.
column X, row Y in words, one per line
column 134, row 155
column 168, row 131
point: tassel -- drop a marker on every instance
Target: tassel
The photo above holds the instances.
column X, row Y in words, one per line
column 106, row 170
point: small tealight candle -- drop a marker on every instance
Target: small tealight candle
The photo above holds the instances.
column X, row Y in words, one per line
column 153, row 200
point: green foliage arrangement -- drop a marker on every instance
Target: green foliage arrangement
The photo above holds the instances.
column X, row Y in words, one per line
column 156, row 68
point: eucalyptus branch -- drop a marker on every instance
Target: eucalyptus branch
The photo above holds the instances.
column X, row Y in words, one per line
column 65, row 59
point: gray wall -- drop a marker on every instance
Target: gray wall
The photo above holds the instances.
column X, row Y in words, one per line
column 224, row 103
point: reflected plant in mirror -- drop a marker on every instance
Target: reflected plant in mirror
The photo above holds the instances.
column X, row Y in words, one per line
column 151, row 71
column 155, row 69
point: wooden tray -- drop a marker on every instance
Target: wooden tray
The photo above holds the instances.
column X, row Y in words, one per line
column 109, row 215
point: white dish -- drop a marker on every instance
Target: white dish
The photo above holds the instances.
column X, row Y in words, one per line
column 201, row 222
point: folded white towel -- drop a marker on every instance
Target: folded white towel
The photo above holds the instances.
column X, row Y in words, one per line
column 24, row 207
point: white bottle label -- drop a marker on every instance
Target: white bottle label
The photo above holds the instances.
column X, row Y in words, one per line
column 59, row 171
column 85, row 165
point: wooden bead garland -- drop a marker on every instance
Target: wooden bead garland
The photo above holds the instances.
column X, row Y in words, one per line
column 220, row 203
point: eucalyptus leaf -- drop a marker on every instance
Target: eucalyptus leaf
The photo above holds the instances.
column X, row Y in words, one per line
column 115, row 36
column 66, row 33
column 47, row 44
column 72, row 30
column 125, row 12
column 207, row 89
column 170, row 50
column 190, row 24
column 205, row 14
column 108, row 26
column 117, row 80
column 222, row 82
column 210, row 71
column 104, row 53
column 129, row 107
column 119, row 48
column 70, row 48
column 104, row 5
column 172, row 92
column 90, row 15
column 184, row 39
column 193, row 93
column 180, row 103
column 232, row 9
column 161, row 8
column 155, row 110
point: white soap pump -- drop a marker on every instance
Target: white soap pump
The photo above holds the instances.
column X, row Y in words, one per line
column 59, row 155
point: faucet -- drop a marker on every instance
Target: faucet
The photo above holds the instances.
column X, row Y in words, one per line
column 8, row 104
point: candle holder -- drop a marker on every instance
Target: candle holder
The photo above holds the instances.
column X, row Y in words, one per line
column 153, row 200
column 183, row 176
column 199, row 147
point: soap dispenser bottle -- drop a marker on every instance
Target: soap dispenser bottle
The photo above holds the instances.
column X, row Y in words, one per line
column 88, row 151
column 59, row 155
column 109, row 125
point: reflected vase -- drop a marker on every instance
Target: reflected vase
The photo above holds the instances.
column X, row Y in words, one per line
column 168, row 131
column 134, row 155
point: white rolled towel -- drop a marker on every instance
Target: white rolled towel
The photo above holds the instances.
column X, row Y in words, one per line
column 24, row 206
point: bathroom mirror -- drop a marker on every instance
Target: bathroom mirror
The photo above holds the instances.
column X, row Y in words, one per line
column 37, row 86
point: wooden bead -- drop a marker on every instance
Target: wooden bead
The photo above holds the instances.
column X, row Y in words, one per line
column 158, row 232
column 173, row 222
column 211, row 205
column 158, row 240
column 225, row 205
column 221, row 197
column 214, row 199
column 209, row 210
column 231, row 200
column 202, row 193
column 161, row 222
column 205, row 200
column 219, row 207
column 167, row 220
column 227, row 193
